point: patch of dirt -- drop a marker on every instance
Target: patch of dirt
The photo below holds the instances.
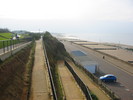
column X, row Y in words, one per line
column 11, row 75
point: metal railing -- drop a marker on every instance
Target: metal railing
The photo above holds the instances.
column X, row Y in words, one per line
column 9, row 45
column 96, row 80
column 100, row 83
column 49, row 71
column 80, row 82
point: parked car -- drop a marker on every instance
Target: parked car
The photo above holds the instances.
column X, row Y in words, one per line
column 108, row 78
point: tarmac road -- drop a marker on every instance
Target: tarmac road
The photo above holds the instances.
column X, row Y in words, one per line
column 124, row 85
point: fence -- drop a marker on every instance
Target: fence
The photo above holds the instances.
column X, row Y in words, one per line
column 95, row 79
column 8, row 45
column 100, row 83
column 80, row 82
column 50, row 74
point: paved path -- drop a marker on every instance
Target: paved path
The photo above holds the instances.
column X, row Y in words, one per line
column 71, row 89
column 9, row 52
column 95, row 89
column 40, row 88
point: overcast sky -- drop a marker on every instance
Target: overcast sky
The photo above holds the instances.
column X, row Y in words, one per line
column 90, row 19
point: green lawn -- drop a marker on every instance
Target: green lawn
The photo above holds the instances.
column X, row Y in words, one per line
column 24, row 35
column 7, row 35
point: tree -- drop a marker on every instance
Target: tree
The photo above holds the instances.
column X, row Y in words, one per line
column 4, row 30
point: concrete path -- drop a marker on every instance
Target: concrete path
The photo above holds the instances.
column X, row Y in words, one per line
column 92, row 86
column 40, row 88
column 71, row 89
column 9, row 52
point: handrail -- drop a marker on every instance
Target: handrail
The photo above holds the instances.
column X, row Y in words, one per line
column 80, row 82
column 49, row 71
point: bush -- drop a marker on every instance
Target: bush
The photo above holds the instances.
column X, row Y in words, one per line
column 55, row 51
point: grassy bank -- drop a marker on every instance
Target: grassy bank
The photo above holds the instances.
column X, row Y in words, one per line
column 28, row 75
column 15, row 75
column 55, row 51
column 6, row 35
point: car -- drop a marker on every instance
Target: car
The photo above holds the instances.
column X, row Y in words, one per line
column 108, row 78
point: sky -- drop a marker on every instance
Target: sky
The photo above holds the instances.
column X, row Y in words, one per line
column 95, row 20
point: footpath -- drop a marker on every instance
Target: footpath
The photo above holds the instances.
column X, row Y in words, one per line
column 70, row 87
column 40, row 87
column 91, row 85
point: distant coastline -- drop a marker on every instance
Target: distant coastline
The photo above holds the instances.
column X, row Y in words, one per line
column 123, row 39
column 103, row 41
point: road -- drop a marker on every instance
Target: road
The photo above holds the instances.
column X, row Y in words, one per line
column 40, row 87
column 123, row 87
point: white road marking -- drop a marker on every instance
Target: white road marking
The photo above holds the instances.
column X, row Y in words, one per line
column 127, row 89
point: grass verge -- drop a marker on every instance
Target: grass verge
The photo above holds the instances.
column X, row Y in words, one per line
column 12, row 75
